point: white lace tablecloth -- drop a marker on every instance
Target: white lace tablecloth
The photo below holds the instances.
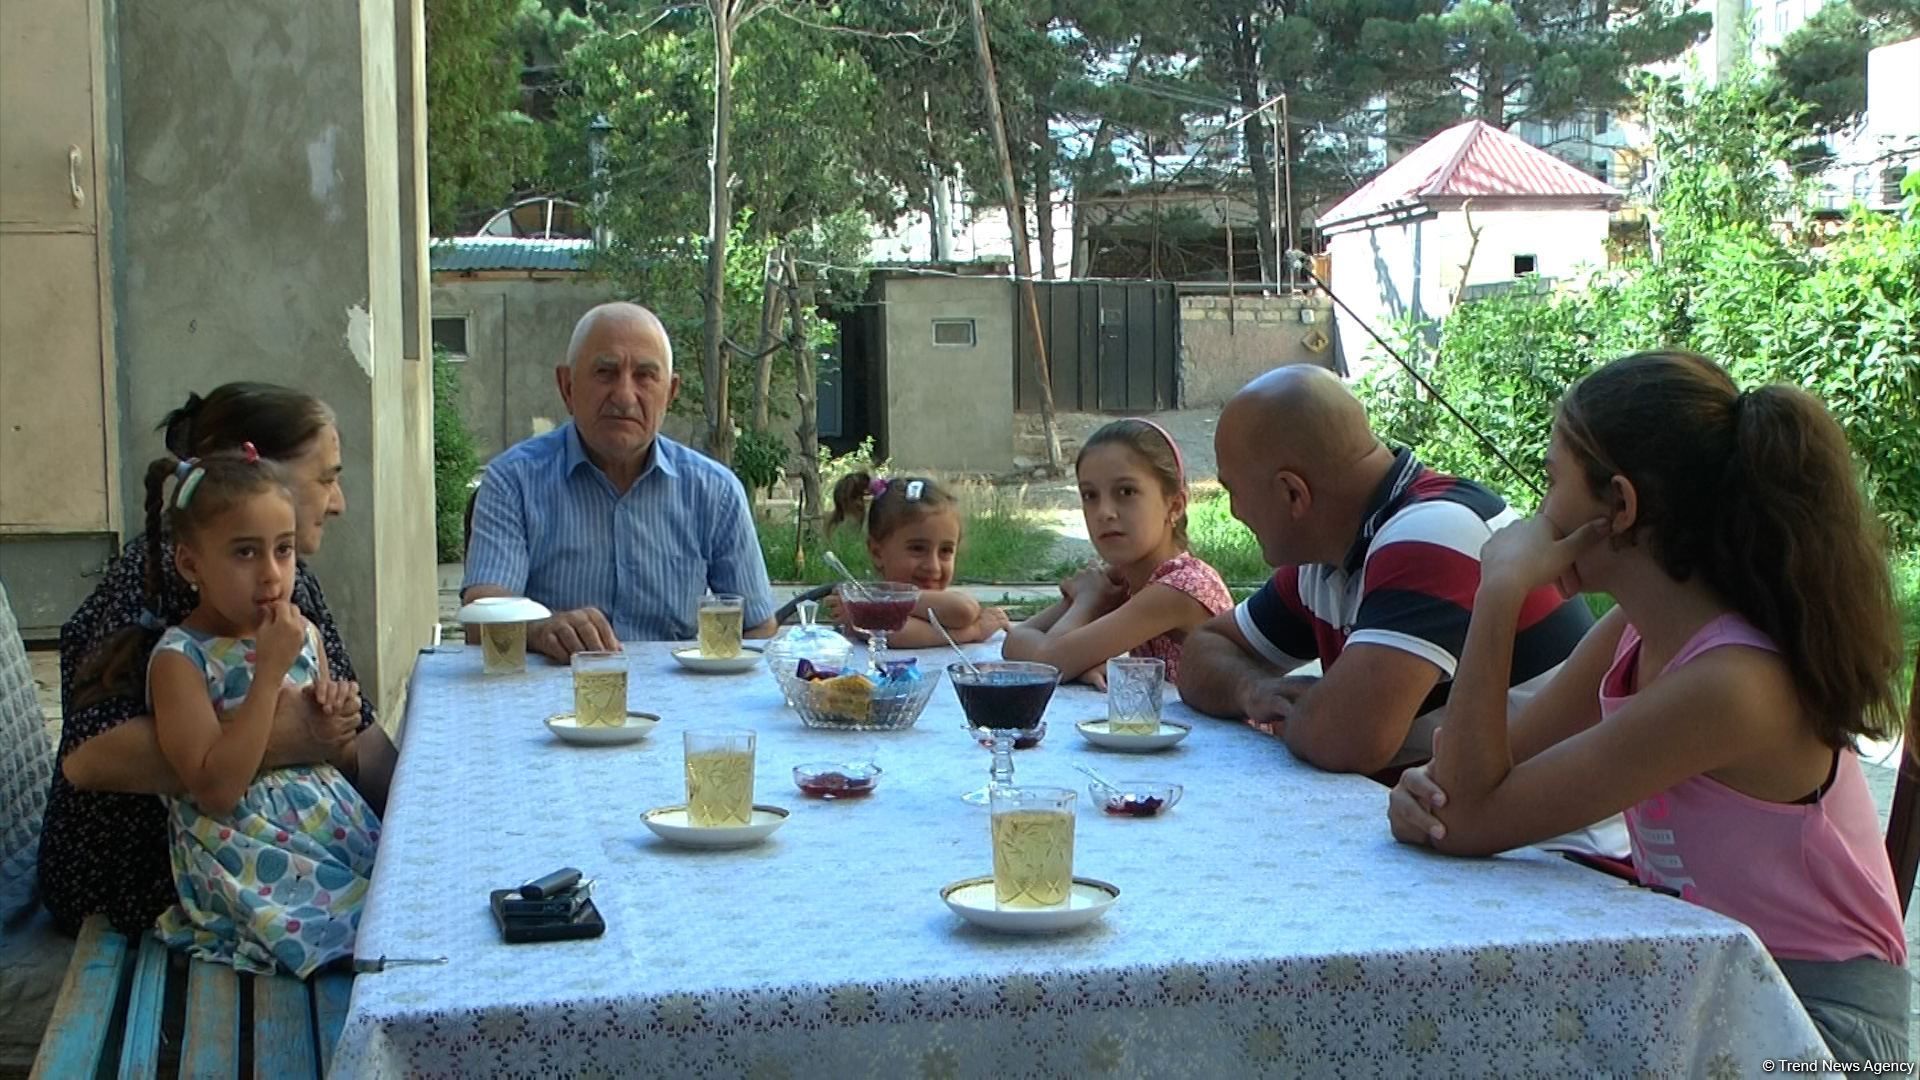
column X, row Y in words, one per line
column 1267, row 926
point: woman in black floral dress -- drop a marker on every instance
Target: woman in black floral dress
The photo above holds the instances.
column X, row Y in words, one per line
column 104, row 847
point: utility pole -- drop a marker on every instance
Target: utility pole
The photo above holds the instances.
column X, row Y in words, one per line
column 1022, row 265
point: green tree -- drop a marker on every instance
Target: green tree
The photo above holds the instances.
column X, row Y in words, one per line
column 480, row 147
column 1823, row 64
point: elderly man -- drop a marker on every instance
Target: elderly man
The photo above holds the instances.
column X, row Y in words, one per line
column 1378, row 562
column 615, row 527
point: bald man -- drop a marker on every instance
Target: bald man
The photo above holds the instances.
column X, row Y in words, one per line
column 612, row 525
column 1377, row 561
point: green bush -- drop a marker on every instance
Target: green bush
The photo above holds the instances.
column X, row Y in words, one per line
column 1218, row 538
column 455, row 461
column 759, row 460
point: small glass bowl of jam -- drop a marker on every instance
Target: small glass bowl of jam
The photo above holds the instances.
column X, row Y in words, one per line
column 1135, row 798
column 837, row 779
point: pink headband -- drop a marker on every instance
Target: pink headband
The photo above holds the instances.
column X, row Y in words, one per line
column 1179, row 460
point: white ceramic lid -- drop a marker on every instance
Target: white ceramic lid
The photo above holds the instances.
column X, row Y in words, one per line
column 501, row 609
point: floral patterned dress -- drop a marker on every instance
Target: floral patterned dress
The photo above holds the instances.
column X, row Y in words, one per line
column 1188, row 574
column 278, row 883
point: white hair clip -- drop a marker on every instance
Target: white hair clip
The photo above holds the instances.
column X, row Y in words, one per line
column 914, row 488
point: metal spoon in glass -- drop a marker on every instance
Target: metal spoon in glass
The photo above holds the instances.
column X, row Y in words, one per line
column 934, row 618
column 838, row 567
column 1097, row 778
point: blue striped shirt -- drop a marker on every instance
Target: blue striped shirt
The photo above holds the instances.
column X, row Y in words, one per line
column 549, row 525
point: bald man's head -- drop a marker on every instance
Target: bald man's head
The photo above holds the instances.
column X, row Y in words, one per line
column 1294, row 448
column 620, row 314
column 1300, row 417
column 618, row 382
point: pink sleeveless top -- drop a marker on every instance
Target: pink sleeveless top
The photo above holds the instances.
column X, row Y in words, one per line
column 1811, row 879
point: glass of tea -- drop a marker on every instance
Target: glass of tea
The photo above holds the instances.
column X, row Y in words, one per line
column 720, row 626
column 503, row 647
column 1032, row 846
column 878, row 609
column 719, row 778
column 1006, row 698
column 600, row 689
column 1134, row 690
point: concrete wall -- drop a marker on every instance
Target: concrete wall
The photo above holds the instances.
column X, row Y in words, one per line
column 1413, row 269
column 517, row 333
column 1225, row 343
column 265, row 174
column 949, row 407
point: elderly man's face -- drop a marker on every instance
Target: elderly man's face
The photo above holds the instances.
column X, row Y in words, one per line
column 619, row 386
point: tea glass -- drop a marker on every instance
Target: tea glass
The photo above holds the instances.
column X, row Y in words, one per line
column 1135, row 687
column 600, row 689
column 720, row 620
column 719, row 778
column 1032, row 847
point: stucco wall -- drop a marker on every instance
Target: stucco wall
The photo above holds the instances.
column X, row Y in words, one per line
column 517, row 333
column 1394, row 271
column 1225, row 343
column 949, row 407
column 261, row 239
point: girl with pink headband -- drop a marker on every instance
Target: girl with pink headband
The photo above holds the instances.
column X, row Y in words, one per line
column 1150, row 591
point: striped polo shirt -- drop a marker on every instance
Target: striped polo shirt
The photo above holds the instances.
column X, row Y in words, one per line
column 548, row 525
column 1408, row 583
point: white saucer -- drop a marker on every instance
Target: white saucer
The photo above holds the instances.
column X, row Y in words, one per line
column 691, row 659
column 972, row 900
column 503, row 609
column 669, row 823
column 1095, row 732
column 637, row 727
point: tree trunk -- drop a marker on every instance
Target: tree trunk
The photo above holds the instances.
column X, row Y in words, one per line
column 1043, row 199
column 804, row 393
column 1083, row 189
column 772, row 311
column 1022, row 266
column 1493, row 97
column 713, row 371
column 1253, row 133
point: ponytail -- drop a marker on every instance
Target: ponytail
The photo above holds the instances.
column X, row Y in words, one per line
column 851, row 494
column 115, row 668
column 1801, row 557
column 1755, row 492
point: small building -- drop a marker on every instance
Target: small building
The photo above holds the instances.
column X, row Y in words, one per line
column 1471, row 211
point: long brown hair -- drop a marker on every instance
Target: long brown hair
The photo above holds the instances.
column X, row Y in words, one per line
column 1153, row 445
column 117, row 666
column 1756, row 492
column 886, row 504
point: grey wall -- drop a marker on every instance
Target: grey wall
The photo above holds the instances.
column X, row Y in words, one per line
column 947, row 407
column 1224, row 345
column 517, row 333
column 265, row 172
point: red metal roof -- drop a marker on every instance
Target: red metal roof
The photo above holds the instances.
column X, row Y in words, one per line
column 1473, row 160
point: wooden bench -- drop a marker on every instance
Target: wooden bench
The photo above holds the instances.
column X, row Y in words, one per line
column 127, row 1005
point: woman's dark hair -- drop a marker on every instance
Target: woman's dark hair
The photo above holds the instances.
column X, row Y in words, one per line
column 278, row 422
column 886, row 505
column 118, row 665
column 1151, row 444
column 1756, row 493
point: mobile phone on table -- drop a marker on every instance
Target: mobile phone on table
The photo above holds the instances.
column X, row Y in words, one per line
column 516, row 929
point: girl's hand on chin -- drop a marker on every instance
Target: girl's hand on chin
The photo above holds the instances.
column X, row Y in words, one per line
column 1531, row 553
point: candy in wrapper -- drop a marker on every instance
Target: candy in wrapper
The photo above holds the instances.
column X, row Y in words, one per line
column 808, row 671
column 902, row 672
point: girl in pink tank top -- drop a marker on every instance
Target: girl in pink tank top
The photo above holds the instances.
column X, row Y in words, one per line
column 1755, row 640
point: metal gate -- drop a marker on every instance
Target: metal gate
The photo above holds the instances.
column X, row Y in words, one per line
column 1113, row 346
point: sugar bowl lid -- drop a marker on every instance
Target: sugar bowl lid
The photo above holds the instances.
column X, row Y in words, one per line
column 503, row 609
column 811, row 641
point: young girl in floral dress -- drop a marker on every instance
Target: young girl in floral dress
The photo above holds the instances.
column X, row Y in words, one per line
column 1152, row 591
column 271, row 868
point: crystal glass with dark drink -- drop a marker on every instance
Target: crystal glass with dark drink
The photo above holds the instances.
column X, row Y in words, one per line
column 1007, row 698
column 878, row 609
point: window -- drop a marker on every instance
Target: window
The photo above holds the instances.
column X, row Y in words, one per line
column 954, row 333
column 450, row 333
column 1602, row 121
column 1524, row 265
